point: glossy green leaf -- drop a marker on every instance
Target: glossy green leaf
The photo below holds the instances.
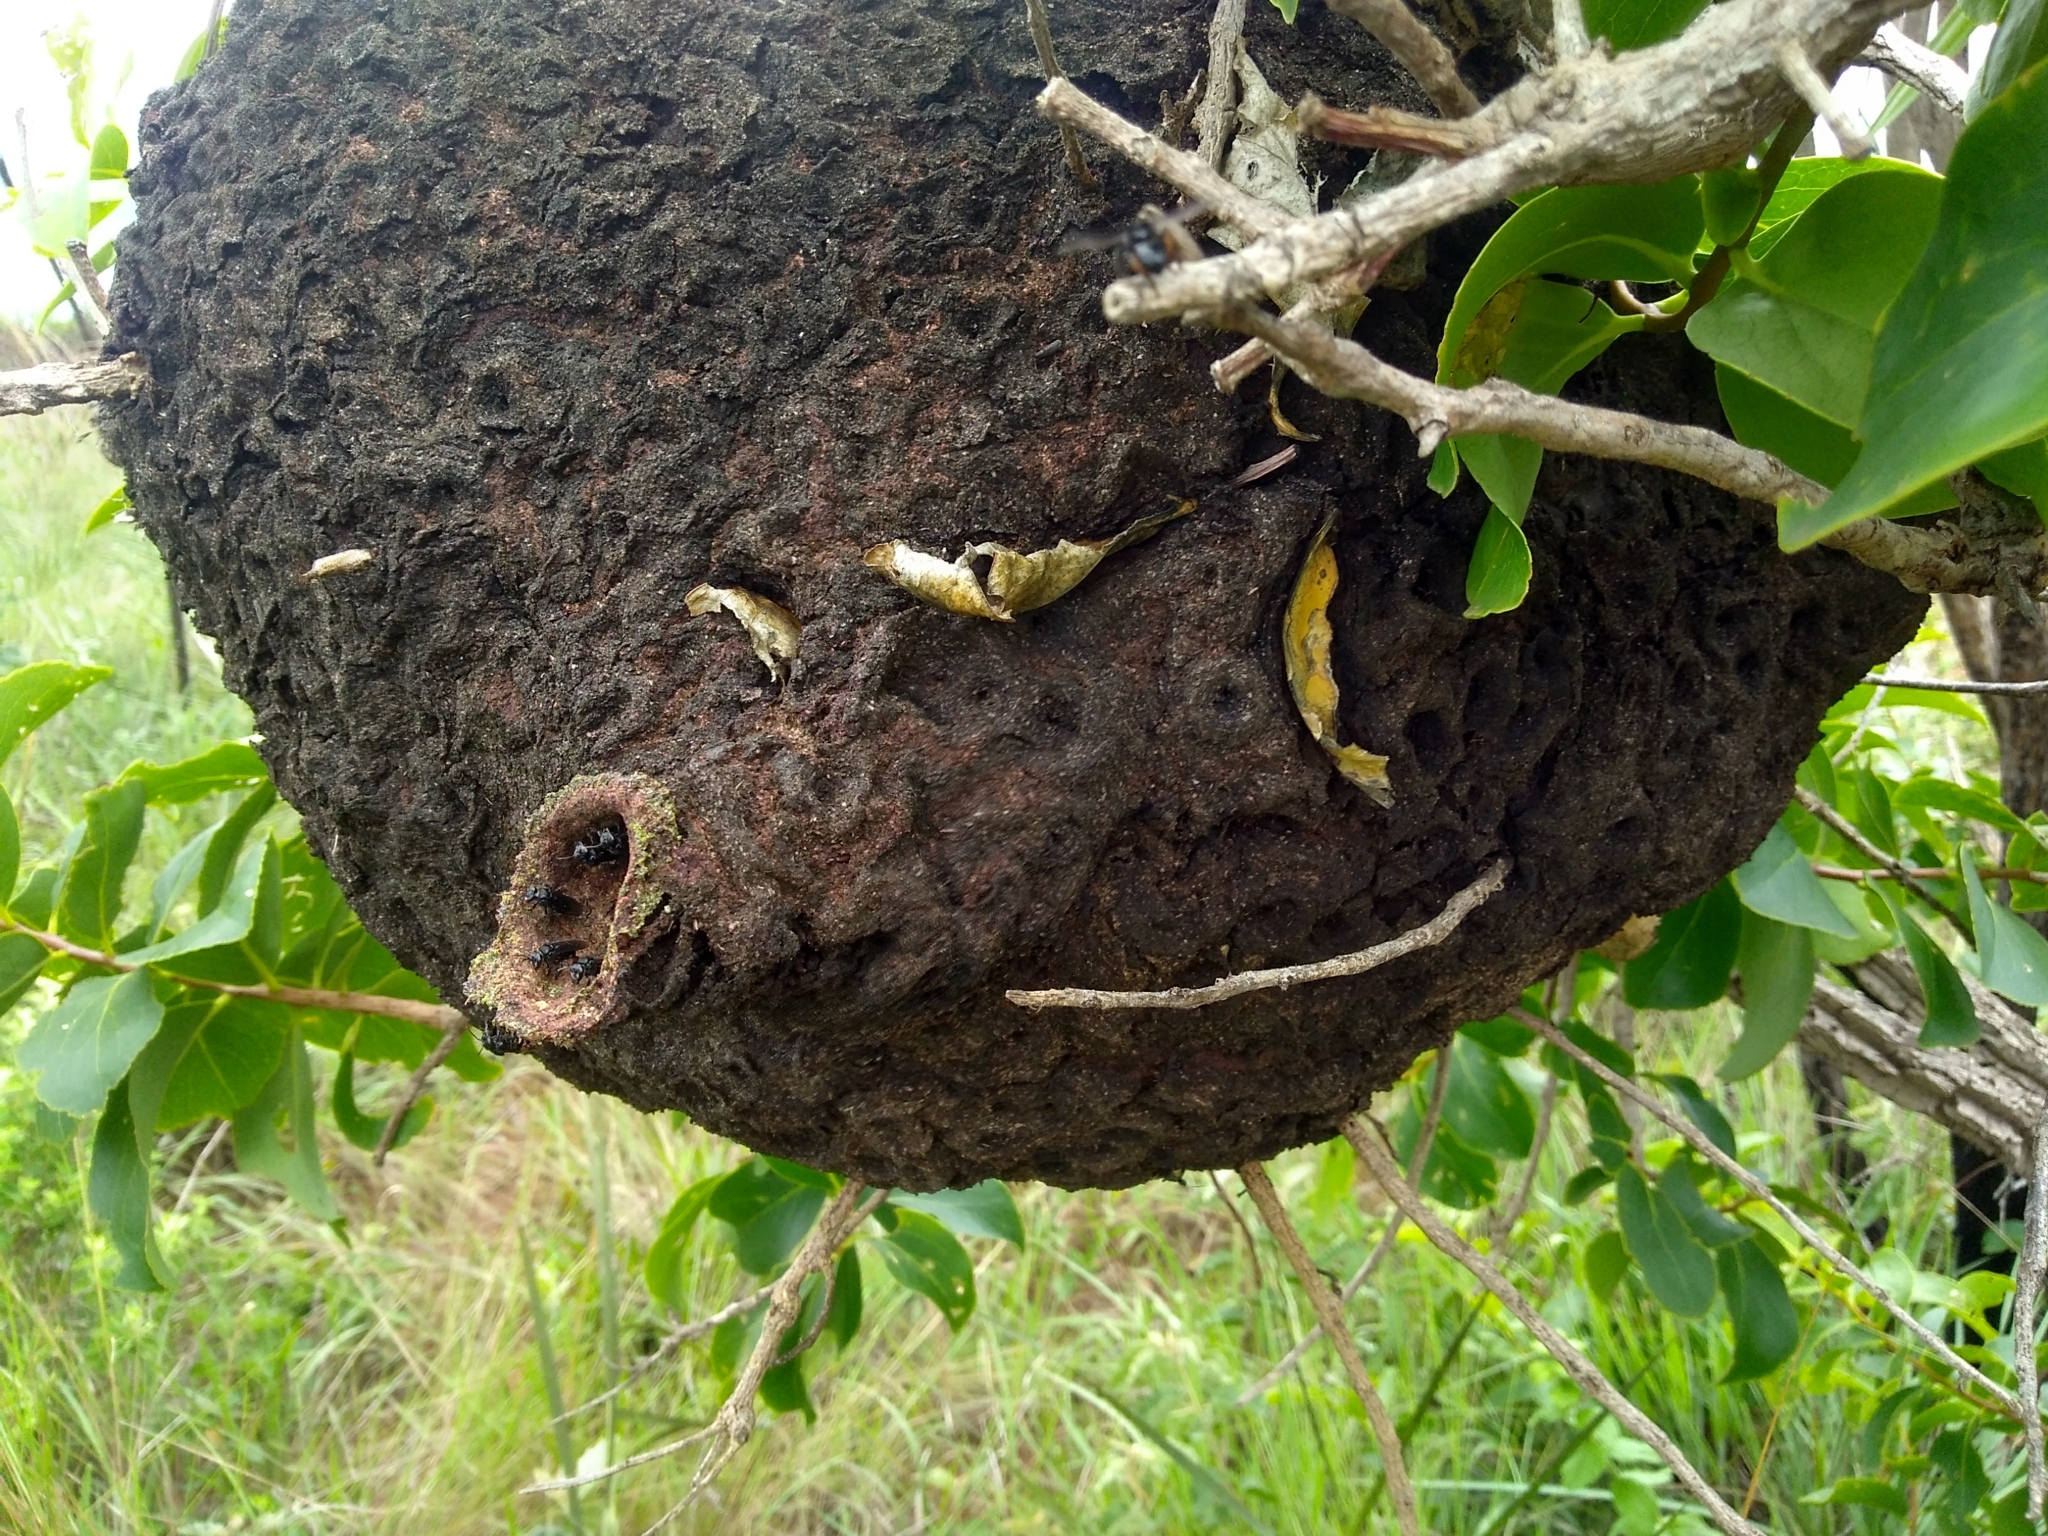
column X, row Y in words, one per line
column 1484, row 1107
column 1443, row 469
column 768, row 1213
column 366, row 1131
column 1960, row 369
column 1803, row 319
column 213, row 1055
column 1761, row 1313
column 117, row 1193
column 227, row 765
column 2022, row 470
column 926, row 1258
column 2020, row 43
column 287, row 1100
column 2012, row 959
column 227, row 923
column 113, row 506
column 1702, row 1111
column 1688, row 965
column 1498, row 578
column 1938, row 794
column 663, row 1268
column 845, row 1315
column 32, row 694
column 1638, row 23
column 1804, row 180
column 224, row 848
column 1606, row 1262
column 1951, row 1012
column 1728, row 202
column 981, row 1210
column 85, row 1045
column 1680, row 1185
column 1820, row 449
column 21, row 961
column 1777, row 966
column 1677, row 1269
column 1779, row 883
column 10, row 848
column 89, row 901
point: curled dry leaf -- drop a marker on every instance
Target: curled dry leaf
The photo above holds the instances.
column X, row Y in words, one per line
column 1628, row 942
column 772, row 627
column 1015, row 583
column 338, row 564
column 1305, row 641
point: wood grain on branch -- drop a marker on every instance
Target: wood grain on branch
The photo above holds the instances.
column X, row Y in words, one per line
column 1940, row 80
column 1216, row 117
column 31, row 391
column 1417, row 48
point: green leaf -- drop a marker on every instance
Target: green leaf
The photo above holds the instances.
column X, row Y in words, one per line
column 2020, row 43
column 21, row 961
column 224, row 848
column 1857, row 699
column 2009, row 1516
column 1803, row 181
column 1443, row 469
column 1498, row 578
column 1287, row 9
column 1677, row 1269
column 1702, row 1111
column 1803, row 319
column 1688, row 966
column 117, row 1192
column 89, row 902
column 1866, row 1492
column 1728, row 202
column 663, row 1268
column 1484, row 1107
column 1609, row 1130
column 266, row 912
column 228, row 923
column 1639, row 23
column 2022, row 470
column 85, row 1045
column 213, row 1055
column 1951, row 1012
column 1776, row 961
column 926, row 1258
column 1502, row 1036
column 1777, row 882
column 1960, row 369
column 224, row 766
column 1584, row 1184
column 32, row 694
column 1635, row 1507
column 844, row 1318
column 287, row 1097
column 366, row 1131
column 981, row 1210
column 1680, row 1184
column 10, row 848
column 113, row 506
column 2012, row 959
column 33, row 902
column 1937, row 794
column 1820, row 449
column 1605, row 1263
column 769, row 1215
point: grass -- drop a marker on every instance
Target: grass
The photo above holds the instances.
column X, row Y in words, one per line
column 394, row 1376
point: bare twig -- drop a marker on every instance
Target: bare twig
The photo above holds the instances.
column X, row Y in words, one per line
column 1589, row 1377
column 1417, row 49
column 220, row 1134
column 78, row 260
column 2026, row 1299
column 1999, row 872
column 1948, row 685
column 1216, row 117
column 1392, row 128
column 1251, row 1243
column 1320, row 305
column 1502, row 1221
column 1418, row 1159
column 1048, row 61
column 1759, row 1190
column 1330, row 1312
column 1939, row 80
column 1265, row 467
column 1853, row 835
column 1815, row 91
column 1568, row 29
column 1435, row 931
column 451, row 1037
column 31, row 391
column 677, row 1336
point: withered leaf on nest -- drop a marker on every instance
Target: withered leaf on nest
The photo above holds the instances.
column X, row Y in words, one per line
column 772, row 627
column 1015, row 583
column 1305, row 641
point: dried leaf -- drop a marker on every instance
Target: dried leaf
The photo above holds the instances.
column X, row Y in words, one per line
column 1631, row 941
column 1305, row 641
column 1265, row 152
column 338, row 564
column 772, row 627
column 1016, row 583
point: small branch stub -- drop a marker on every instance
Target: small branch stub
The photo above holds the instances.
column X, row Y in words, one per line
column 340, row 563
column 31, row 391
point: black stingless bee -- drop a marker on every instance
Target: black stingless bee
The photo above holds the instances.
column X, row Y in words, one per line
column 600, row 845
column 496, row 1038
column 1155, row 242
column 552, row 899
column 583, row 967
column 552, row 954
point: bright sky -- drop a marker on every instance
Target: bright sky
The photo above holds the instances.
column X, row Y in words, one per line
column 141, row 40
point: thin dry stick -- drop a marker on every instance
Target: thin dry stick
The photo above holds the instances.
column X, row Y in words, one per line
column 31, row 391
column 1217, row 115
column 1323, row 1297
column 1418, row 1159
column 1852, row 834
column 1502, row 1222
column 1946, row 685
column 1041, row 37
column 1759, row 1190
column 2026, row 1297
column 1993, row 872
column 1317, row 307
column 451, row 1037
column 1251, row 1243
column 1568, row 29
column 681, row 1334
column 1589, row 1377
column 1417, row 50
column 1815, row 91
column 1917, row 65
column 1435, row 931
column 87, row 280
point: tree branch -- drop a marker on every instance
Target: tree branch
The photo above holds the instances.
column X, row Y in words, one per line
column 1843, row 827
column 1048, row 62
column 1217, row 115
column 87, row 279
column 1330, row 1313
column 1819, row 95
column 1589, row 1377
column 2026, row 1301
column 1919, row 66
column 1946, row 685
column 451, row 1036
column 1417, row 49
column 31, row 391
column 1435, row 931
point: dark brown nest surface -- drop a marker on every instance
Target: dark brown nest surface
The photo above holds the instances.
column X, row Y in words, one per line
column 561, row 309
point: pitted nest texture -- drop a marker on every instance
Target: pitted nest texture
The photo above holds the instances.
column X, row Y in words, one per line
column 561, row 309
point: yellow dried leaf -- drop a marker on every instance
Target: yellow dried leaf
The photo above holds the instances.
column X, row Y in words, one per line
column 1016, row 583
column 1631, row 939
column 772, row 627
column 1305, row 643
